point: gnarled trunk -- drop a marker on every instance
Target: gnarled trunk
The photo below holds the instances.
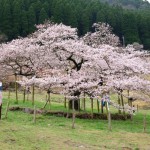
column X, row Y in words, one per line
column 76, row 104
column 76, row 101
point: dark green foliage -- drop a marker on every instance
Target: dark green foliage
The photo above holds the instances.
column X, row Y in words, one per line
column 43, row 16
column 31, row 19
column 18, row 17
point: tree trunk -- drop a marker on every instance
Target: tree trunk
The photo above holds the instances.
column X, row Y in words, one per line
column 16, row 88
column 76, row 100
column 76, row 104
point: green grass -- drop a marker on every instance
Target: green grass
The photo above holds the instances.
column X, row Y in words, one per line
column 18, row 132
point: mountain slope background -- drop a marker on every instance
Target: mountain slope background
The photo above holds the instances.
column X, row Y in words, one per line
column 18, row 17
column 130, row 4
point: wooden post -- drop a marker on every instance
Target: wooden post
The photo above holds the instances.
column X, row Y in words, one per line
column 8, row 93
column 97, row 105
column 0, row 111
column 16, row 88
column 7, row 107
column 107, row 111
column 34, row 115
column 144, row 124
column 122, row 101
column 119, row 103
column 27, row 96
column 65, row 103
column 33, row 90
column 79, row 104
column 45, row 103
column 68, row 109
column 0, row 100
column 128, row 97
column 24, row 95
column 92, row 106
column 137, row 108
column 109, row 122
column 49, row 100
column 73, row 115
column 102, row 108
column 84, row 102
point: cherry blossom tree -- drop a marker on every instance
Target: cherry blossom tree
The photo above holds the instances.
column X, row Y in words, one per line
column 94, row 64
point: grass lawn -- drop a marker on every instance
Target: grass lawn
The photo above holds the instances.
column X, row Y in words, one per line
column 18, row 132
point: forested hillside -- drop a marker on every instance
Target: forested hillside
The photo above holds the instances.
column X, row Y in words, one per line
column 130, row 4
column 18, row 17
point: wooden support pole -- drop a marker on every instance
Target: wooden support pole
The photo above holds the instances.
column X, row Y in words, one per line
column 49, row 100
column 92, row 106
column 65, row 102
column 68, row 109
column 0, row 111
column 34, row 115
column 24, row 95
column 33, row 90
column 8, row 93
column 128, row 97
column 73, row 115
column 7, row 107
column 16, row 88
column 84, row 102
column 102, row 107
column 79, row 104
column 144, row 124
column 122, row 101
column 109, row 122
column 107, row 111
column 137, row 108
column 97, row 105
column 119, row 103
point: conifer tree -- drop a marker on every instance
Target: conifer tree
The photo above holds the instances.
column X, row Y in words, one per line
column 43, row 16
column 31, row 19
column 7, row 19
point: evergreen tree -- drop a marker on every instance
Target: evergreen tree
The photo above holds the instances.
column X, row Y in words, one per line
column 7, row 19
column 37, row 8
column 130, row 29
column 16, row 18
column 43, row 16
column 31, row 19
column 24, row 23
